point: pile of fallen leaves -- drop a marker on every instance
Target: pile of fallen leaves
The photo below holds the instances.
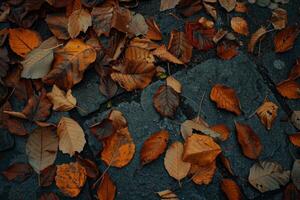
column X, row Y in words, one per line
column 126, row 50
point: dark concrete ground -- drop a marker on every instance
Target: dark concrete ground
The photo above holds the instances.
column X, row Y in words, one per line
column 253, row 77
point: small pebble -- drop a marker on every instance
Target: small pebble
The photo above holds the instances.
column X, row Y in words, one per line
column 279, row 64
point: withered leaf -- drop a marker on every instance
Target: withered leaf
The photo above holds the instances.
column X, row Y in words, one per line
column 295, row 139
column 49, row 196
column 223, row 131
column 203, row 175
column 248, row 140
column 227, row 49
column 47, row 176
column 231, row 189
column 227, row 164
column 289, row 89
column 58, row 25
column 291, row 192
column 103, row 129
column 167, row 195
column 188, row 127
column 211, row 10
column 70, row 178
column 267, row 113
column 295, row 174
column 279, row 18
column 173, row 83
column 18, row 172
column 153, row 30
column 168, row 4
column 239, row 25
column 295, row 119
column 295, row 72
column 107, row 188
column 228, row 5
column 284, row 40
column 166, row 101
column 165, row 55
column 79, row 21
column 61, row 101
column 90, row 167
column 138, row 25
column 225, row 98
column 154, row 146
column 255, row 37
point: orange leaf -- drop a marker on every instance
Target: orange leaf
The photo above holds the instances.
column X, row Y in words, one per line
column 222, row 129
column 248, row 140
column 70, row 178
column 225, row 98
column 200, row 150
column 107, row 188
column 231, row 189
column 279, row 18
column 289, row 89
column 153, row 30
column 22, row 41
column 255, row 37
column 239, row 25
column 227, row 49
column 227, row 164
column 295, row 72
column 295, row 139
column 154, row 146
column 267, row 113
column 284, row 40
column 165, row 55
column 203, row 174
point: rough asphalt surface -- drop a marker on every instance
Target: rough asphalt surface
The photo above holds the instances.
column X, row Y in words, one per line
column 253, row 78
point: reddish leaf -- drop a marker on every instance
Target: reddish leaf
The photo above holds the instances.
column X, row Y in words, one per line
column 103, row 129
column 49, row 196
column 285, row 39
column 47, row 176
column 289, row 89
column 18, row 172
column 291, row 192
column 90, row 167
column 295, row 139
column 231, row 189
column 227, row 49
column 295, row 72
column 107, row 188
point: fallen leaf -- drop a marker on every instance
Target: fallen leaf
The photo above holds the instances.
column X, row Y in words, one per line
column 211, row 10
column 134, row 74
column 71, row 136
column 22, row 41
column 239, row 25
column 138, row 25
column 173, row 83
column 168, row 4
column 166, row 101
column 103, row 129
column 153, row 30
column 188, row 127
column 203, row 175
column 188, row 8
column 70, row 178
column 223, row 131
column 139, row 54
column 267, row 176
column 18, row 172
column 227, row 164
column 118, row 149
column 41, row 148
column 118, row 119
column 295, row 119
column 279, row 18
column 107, row 189
column 295, row 174
column 47, row 176
column 200, row 150
column 289, row 89
column 228, row 5
column 37, row 63
column 154, row 146
column 90, row 167
column 225, row 98
column 101, row 19
column 241, row 7
column 284, row 40
column 49, row 196
column 267, row 113
column 173, row 162
column 291, row 192
column 227, row 49
column 79, row 21
column 180, row 47
column 231, row 189
column 58, row 25
column 143, row 43
column 255, row 37
column 167, row 195
column 295, row 139
column 61, row 101
column 248, row 140
column 165, row 55
column 206, row 23
column 295, row 71
column 219, row 35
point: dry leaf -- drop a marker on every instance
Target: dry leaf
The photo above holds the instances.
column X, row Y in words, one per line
column 165, row 55
column 167, row 195
column 49, row 196
column 267, row 176
column 255, row 37
column 173, row 83
column 78, row 21
column 153, row 30
column 231, row 189
column 166, row 101
column 211, row 10
column 248, row 140
column 154, row 146
column 295, row 72
column 71, row 136
column 284, row 40
column 239, row 25
column 279, row 18
column 295, row 139
column 118, row 149
column 227, row 49
column 295, row 174
column 180, row 47
column 267, row 113
column 47, row 176
column 229, row 5
column 70, row 178
column 138, row 25
column 90, row 167
column 291, row 192
column 223, row 131
column 225, row 98
column 107, row 189
column 295, row 119
column 41, row 148
column 200, row 150
column 18, row 172
column 61, row 101
column 241, row 7
column 101, row 19
column 58, row 25
column 22, row 41
column 227, row 164
column 203, row 175
column 168, row 4
column 103, row 129
column 289, row 89
column 174, row 164
column 188, row 127
column 139, row 54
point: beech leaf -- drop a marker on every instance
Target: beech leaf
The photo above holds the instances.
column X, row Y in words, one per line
column 231, row 189
column 229, row 5
column 61, row 101
column 267, row 113
column 79, row 21
column 107, row 188
column 295, row 174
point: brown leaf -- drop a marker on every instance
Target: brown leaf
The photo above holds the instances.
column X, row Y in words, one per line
column 154, row 146
column 200, row 150
column 70, row 178
column 166, row 101
column 71, row 136
column 203, row 175
column 168, row 4
column 47, row 176
column 228, row 5
column 90, row 167
column 241, row 7
column 165, row 55
column 173, row 162
column 107, row 188
column 153, row 30
column 227, row 49
column 188, row 8
column 267, row 113
column 248, row 140
column 289, row 89
column 231, row 189
column 239, row 25
column 255, row 37
column 18, row 172
column 291, row 192
column 49, row 196
column 61, row 101
column 139, row 54
column 223, row 130
column 295, row 173
column 284, row 40
column 180, row 47
column 22, row 41
column 295, row 118
column 138, row 25
column 167, row 195
column 173, row 83
column 211, row 10
column 79, row 21
column 103, row 129
column 188, row 127
column 58, row 25
column 107, row 86
column 295, row 72
column 295, row 139
column 225, row 98
column 279, row 18
column 227, row 164
column 134, row 74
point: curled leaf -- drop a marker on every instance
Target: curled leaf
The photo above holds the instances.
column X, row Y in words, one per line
column 267, row 113
column 61, row 101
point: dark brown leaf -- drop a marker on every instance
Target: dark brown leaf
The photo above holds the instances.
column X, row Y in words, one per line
column 47, row 176
column 18, row 172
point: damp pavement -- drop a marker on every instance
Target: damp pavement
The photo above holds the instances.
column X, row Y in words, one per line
column 253, row 78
